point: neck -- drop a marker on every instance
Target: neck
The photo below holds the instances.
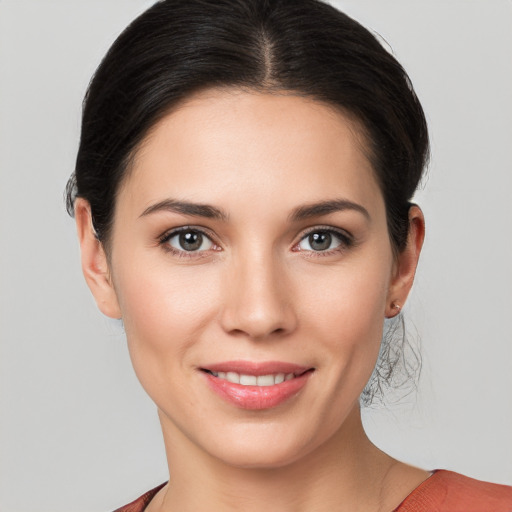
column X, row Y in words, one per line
column 346, row 473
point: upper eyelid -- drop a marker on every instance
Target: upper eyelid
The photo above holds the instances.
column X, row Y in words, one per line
column 175, row 231
column 329, row 229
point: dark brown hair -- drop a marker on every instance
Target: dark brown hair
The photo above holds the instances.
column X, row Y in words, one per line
column 303, row 47
column 306, row 47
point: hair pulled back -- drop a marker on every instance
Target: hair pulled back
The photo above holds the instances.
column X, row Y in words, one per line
column 305, row 47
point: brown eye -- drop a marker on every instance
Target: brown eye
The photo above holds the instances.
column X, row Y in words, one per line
column 190, row 240
column 322, row 240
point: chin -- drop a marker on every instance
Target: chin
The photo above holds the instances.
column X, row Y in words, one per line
column 262, row 459
column 264, row 447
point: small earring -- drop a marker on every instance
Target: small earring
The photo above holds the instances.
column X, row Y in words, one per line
column 397, row 307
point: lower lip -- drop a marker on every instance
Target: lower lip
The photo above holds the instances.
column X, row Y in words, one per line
column 257, row 397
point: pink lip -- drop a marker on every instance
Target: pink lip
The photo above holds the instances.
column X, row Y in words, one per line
column 257, row 397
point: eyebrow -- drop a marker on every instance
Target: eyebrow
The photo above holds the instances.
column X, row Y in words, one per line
column 186, row 208
column 211, row 212
column 325, row 208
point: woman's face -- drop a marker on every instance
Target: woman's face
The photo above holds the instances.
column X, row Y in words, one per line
column 250, row 240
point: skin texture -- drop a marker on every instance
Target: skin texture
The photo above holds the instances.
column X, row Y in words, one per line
column 257, row 291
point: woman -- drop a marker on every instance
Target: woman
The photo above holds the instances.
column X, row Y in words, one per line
column 242, row 198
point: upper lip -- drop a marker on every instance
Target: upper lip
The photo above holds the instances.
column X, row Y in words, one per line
column 257, row 368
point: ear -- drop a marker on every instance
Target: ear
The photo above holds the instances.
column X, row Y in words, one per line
column 94, row 262
column 406, row 263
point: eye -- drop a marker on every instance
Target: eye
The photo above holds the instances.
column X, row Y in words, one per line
column 188, row 240
column 323, row 240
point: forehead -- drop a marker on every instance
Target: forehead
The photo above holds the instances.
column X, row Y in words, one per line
column 221, row 145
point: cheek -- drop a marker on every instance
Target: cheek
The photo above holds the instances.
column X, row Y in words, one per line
column 348, row 299
column 346, row 317
column 164, row 312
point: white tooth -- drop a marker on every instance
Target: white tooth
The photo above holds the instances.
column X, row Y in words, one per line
column 233, row 377
column 279, row 378
column 289, row 376
column 265, row 380
column 248, row 380
column 215, row 374
column 221, row 375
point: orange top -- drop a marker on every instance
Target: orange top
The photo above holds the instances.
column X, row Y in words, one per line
column 444, row 491
column 140, row 504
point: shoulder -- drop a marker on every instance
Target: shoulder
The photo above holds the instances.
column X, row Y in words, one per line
column 140, row 504
column 446, row 491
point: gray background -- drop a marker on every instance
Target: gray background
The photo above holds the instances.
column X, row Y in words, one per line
column 77, row 432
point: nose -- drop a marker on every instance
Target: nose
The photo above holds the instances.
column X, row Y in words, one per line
column 257, row 299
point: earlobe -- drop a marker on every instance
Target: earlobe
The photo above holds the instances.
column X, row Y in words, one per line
column 94, row 262
column 406, row 263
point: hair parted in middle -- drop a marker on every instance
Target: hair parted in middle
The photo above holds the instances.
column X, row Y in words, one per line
column 302, row 47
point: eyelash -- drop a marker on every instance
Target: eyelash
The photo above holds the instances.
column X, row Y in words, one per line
column 164, row 239
column 346, row 241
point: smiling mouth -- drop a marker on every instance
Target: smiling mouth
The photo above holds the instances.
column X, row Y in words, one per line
column 255, row 380
column 249, row 385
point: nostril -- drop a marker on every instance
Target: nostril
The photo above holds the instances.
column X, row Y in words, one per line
column 255, row 310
